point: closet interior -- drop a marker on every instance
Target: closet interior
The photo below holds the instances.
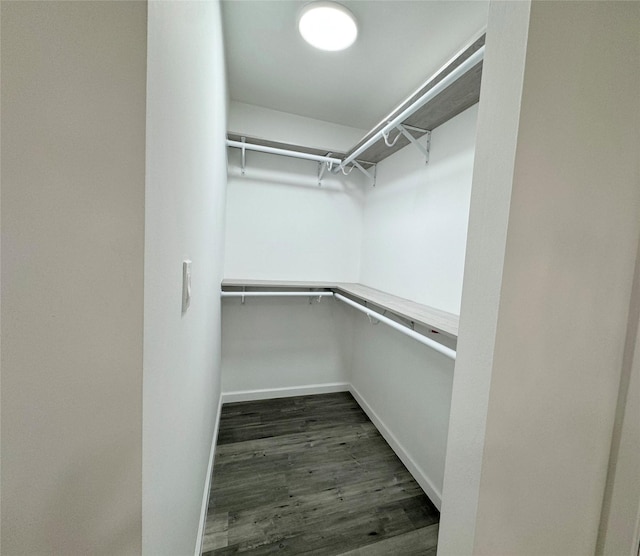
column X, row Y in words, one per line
column 343, row 266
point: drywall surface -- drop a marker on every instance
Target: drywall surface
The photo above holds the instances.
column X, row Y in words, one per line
column 620, row 522
column 279, row 343
column 555, row 375
column 73, row 136
column 281, row 225
column 274, row 125
column 497, row 128
column 414, row 238
column 571, row 242
column 415, row 218
column 186, row 176
column 408, row 386
column 0, row 291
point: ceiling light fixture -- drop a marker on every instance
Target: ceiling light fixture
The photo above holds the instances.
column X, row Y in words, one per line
column 327, row 26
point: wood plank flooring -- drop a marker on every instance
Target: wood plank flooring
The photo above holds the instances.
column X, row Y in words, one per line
column 312, row 475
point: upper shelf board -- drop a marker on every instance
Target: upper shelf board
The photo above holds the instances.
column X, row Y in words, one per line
column 279, row 284
column 276, row 144
column 430, row 317
column 233, row 136
column 460, row 95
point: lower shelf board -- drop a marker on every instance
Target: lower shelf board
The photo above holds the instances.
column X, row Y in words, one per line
column 312, row 475
column 429, row 317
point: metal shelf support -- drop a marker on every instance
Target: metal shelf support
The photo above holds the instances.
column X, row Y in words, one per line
column 424, row 150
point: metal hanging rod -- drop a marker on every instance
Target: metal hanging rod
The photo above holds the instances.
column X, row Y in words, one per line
column 444, row 350
column 448, row 352
column 283, row 152
column 331, row 163
column 446, row 81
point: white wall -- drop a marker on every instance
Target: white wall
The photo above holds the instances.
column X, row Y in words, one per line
column 405, row 236
column 556, row 331
column 415, row 219
column 257, row 121
column 73, row 136
column 186, row 177
column 407, row 386
column 281, row 343
column 498, row 115
column 414, row 238
column 620, row 520
column 280, row 225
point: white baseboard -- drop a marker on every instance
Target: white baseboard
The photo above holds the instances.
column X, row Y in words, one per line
column 269, row 393
column 419, row 475
column 207, row 482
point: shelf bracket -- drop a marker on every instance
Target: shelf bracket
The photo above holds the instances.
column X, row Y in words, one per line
column 371, row 176
column 424, row 150
column 244, row 161
column 314, row 295
column 322, row 168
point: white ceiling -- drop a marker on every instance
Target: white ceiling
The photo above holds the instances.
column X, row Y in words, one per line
column 400, row 44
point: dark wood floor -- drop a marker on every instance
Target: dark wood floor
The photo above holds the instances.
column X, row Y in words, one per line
column 312, row 475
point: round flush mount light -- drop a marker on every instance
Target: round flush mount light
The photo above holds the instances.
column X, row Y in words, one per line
column 327, row 26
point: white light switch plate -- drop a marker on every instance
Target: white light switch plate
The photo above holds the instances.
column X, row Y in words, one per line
column 186, row 284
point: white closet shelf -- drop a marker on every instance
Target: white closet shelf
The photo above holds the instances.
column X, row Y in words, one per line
column 461, row 94
column 293, row 148
column 423, row 315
